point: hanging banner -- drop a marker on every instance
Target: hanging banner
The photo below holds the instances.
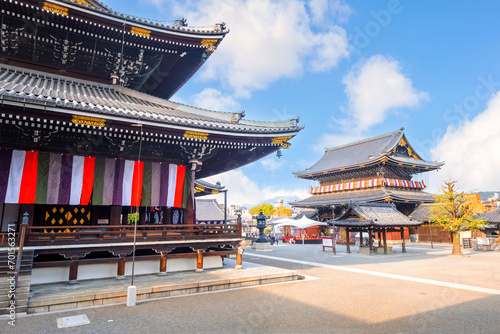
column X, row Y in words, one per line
column 31, row 177
column 372, row 183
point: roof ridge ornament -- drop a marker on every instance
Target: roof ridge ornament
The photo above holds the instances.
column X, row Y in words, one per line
column 180, row 23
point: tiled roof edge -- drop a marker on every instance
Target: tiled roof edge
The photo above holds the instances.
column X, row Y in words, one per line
column 359, row 142
column 215, row 29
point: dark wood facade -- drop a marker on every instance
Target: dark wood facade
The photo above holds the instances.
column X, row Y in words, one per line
column 81, row 81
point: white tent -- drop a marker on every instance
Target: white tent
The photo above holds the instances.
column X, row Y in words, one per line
column 301, row 223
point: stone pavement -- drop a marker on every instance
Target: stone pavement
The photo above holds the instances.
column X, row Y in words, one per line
column 422, row 291
column 88, row 293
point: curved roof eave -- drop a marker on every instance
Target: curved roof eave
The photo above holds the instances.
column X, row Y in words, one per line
column 378, row 154
column 110, row 102
column 215, row 31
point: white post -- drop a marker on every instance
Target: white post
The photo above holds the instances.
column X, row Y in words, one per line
column 131, row 295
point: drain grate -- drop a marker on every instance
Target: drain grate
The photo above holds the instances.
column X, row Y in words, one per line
column 73, row 321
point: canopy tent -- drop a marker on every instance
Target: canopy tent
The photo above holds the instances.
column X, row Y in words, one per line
column 301, row 223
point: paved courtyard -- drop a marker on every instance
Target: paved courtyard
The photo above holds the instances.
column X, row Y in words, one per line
column 422, row 291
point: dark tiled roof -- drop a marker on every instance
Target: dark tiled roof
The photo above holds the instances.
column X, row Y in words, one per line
column 422, row 212
column 308, row 213
column 55, row 91
column 209, row 185
column 364, row 152
column 216, row 29
column 369, row 195
column 208, row 210
column 492, row 216
column 373, row 214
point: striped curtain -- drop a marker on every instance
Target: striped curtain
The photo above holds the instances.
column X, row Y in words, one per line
column 31, row 177
column 368, row 184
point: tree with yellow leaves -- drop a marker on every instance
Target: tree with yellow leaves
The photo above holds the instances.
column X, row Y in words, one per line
column 266, row 208
column 281, row 211
column 454, row 213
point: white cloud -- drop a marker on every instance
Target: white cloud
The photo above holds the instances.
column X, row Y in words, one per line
column 269, row 40
column 472, row 151
column 321, row 8
column 244, row 191
column 213, row 99
column 272, row 164
column 376, row 87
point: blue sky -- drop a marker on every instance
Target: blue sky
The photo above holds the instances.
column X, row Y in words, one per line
column 351, row 70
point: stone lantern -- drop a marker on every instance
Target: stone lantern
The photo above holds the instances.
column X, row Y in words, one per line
column 261, row 244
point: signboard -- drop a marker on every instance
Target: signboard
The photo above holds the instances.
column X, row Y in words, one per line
column 328, row 242
column 483, row 241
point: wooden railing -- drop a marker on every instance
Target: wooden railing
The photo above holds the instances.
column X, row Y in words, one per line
column 84, row 234
column 4, row 237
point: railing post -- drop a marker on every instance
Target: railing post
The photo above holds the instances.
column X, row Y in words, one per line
column 238, row 229
column 22, row 233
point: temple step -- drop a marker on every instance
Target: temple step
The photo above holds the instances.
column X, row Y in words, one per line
column 7, row 288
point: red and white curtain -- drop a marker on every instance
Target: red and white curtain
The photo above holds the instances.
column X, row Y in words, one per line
column 372, row 183
column 31, row 177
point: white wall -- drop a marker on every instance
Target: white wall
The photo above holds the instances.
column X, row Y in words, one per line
column 107, row 270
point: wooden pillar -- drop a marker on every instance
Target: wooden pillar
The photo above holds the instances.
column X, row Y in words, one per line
column 370, row 237
column 380, row 239
column 189, row 215
column 120, row 271
column 239, row 258
column 199, row 262
column 347, row 236
column 115, row 216
column 163, row 264
column 385, row 241
column 73, row 272
column 403, row 245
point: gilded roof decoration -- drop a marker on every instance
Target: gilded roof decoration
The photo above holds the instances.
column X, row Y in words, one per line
column 90, row 121
column 209, row 44
column 140, row 31
column 196, row 135
column 83, row 2
column 56, row 9
column 279, row 140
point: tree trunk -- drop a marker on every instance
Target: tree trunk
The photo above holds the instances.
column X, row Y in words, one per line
column 457, row 250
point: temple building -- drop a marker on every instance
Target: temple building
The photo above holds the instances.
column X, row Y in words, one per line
column 380, row 169
column 90, row 143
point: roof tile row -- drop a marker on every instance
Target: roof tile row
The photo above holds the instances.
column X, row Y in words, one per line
column 64, row 92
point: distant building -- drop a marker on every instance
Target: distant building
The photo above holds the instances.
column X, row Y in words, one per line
column 379, row 169
column 209, row 212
